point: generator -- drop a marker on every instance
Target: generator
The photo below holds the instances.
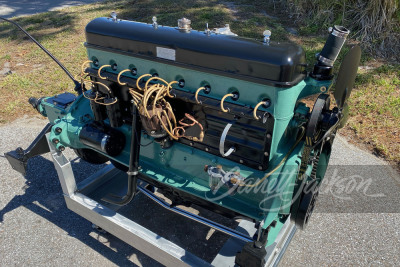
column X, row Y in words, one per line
column 203, row 117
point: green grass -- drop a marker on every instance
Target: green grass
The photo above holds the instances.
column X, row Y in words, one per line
column 374, row 105
column 375, row 110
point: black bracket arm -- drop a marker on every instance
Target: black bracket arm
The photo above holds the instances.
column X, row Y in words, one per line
column 254, row 253
column 18, row 158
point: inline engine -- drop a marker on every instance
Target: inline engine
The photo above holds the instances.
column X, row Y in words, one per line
column 206, row 117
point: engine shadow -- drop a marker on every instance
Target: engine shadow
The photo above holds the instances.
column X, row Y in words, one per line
column 43, row 196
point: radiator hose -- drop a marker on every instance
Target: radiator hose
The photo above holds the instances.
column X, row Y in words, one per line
column 327, row 57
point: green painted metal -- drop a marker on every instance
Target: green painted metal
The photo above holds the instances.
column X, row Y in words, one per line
column 250, row 93
column 182, row 166
column 283, row 100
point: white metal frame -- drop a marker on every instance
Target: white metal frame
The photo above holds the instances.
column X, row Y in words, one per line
column 148, row 242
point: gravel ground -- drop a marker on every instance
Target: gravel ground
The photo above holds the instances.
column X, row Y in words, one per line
column 36, row 228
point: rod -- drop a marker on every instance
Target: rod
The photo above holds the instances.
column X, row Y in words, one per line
column 133, row 163
column 197, row 218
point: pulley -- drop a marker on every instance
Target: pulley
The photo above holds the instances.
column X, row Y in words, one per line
column 321, row 127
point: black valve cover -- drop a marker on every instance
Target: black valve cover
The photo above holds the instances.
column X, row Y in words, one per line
column 276, row 64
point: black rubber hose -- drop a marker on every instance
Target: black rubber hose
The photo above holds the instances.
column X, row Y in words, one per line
column 333, row 45
column 77, row 84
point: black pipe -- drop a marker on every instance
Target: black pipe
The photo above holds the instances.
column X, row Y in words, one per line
column 133, row 163
column 327, row 57
column 333, row 45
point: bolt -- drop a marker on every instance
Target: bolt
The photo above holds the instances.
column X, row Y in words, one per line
column 58, row 130
column 207, row 149
column 241, row 161
column 55, row 141
column 258, row 244
column 61, row 148
column 235, row 96
column 267, row 103
column 20, row 151
column 266, row 154
column 260, row 168
column 269, row 135
column 191, row 143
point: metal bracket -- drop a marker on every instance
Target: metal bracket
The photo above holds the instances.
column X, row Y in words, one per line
column 18, row 158
column 222, row 141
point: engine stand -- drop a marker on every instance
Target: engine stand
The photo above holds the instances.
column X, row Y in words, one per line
column 84, row 199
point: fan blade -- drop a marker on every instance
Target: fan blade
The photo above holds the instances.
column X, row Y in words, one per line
column 347, row 75
column 345, row 116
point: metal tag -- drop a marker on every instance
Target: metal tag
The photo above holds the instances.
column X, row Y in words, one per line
column 166, row 53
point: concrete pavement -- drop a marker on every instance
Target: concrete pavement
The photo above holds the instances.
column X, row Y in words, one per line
column 36, row 228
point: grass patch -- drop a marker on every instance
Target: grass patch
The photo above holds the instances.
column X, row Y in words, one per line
column 375, row 111
column 374, row 105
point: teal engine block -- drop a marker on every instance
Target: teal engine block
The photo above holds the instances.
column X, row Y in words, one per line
column 206, row 117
